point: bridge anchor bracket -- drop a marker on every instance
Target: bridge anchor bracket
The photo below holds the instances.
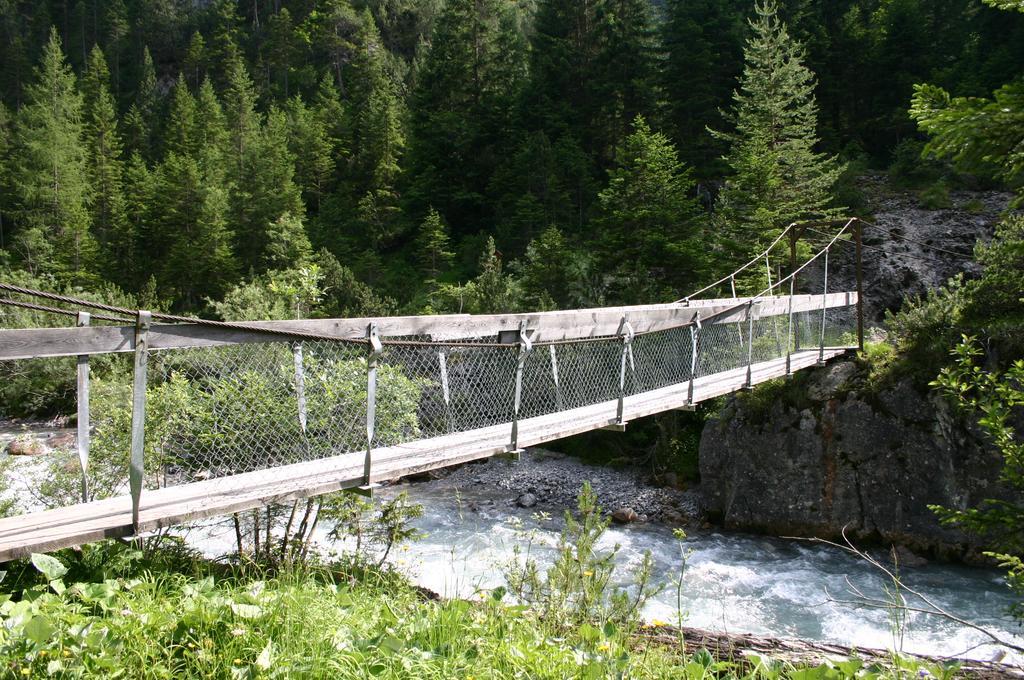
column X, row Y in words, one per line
column 615, row 427
column 366, row 490
column 689, row 408
column 514, row 455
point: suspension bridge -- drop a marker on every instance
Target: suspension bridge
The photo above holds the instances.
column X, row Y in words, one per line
column 184, row 419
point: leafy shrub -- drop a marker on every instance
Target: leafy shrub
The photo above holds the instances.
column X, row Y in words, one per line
column 310, row 624
column 992, row 397
column 936, row 197
column 577, row 588
column 975, row 206
column 911, row 168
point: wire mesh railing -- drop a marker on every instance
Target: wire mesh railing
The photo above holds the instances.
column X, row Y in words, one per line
column 159, row 418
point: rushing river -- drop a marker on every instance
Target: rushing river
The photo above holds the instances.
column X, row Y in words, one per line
column 730, row 582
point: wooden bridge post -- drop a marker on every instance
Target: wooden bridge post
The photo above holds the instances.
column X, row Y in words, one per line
column 824, row 309
column 83, row 411
column 694, row 328
column 442, row 364
column 790, row 342
column 794, row 236
column 626, row 333
column 771, row 293
column 732, row 287
column 750, row 345
column 300, row 384
column 136, row 469
column 525, row 347
column 554, row 376
column 376, row 349
column 858, row 241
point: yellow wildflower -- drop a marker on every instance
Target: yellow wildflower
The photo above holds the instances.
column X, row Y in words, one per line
column 588, row 573
column 42, row 652
column 603, row 647
column 25, row 671
column 238, row 661
column 67, row 652
column 658, row 623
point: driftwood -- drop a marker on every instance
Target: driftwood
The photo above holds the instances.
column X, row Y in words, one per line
column 734, row 646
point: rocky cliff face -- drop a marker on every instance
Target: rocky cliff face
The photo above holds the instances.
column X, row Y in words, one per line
column 911, row 249
column 812, row 456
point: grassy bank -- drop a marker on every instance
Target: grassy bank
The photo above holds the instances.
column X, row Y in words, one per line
column 169, row 616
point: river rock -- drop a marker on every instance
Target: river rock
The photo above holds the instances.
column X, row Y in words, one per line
column 904, row 557
column 26, row 446
column 554, row 480
column 526, row 500
column 625, row 516
column 61, row 440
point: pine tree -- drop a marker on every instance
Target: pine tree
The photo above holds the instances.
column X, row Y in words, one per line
column 104, row 170
column 6, row 188
column 259, row 168
column 647, row 217
column 198, row 262
column 432, row 247
column 224, row 49
column 626, row 82
column 703, row 44
column 462, row 110
column 776, row 177
column 141, row 119
column 281, row 50
column 140, row 207
column 333, row 25
column 977, row 134
column 377, row 142
column 180, row 131
column 211, row 134
column 555, row 275
column 195, row 58
column 314, row 152
column 243, row 121
column 116, row 20
column 274, row 192
column 493, row 291
column 49, row 170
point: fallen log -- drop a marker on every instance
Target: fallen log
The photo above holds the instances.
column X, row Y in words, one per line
column 736, row 646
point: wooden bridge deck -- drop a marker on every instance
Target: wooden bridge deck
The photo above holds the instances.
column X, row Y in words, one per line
column 75, row 525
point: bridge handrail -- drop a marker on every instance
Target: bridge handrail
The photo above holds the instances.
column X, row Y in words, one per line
column 846, row 221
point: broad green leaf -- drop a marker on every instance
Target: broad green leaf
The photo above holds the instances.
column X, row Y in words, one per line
column 392, row 644
column 265, row 659
column 58, row 586
column 247, row 611
column 39, row 629
column 51, row 567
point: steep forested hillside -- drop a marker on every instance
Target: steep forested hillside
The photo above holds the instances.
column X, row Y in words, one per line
column 383, row 152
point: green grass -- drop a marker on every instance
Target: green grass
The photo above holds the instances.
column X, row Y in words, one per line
column 318, row 623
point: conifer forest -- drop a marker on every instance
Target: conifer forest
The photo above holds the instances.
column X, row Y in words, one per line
column 460, row 155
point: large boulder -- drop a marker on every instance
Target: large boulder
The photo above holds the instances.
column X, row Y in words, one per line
column 871, row 464
column 27, row 446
